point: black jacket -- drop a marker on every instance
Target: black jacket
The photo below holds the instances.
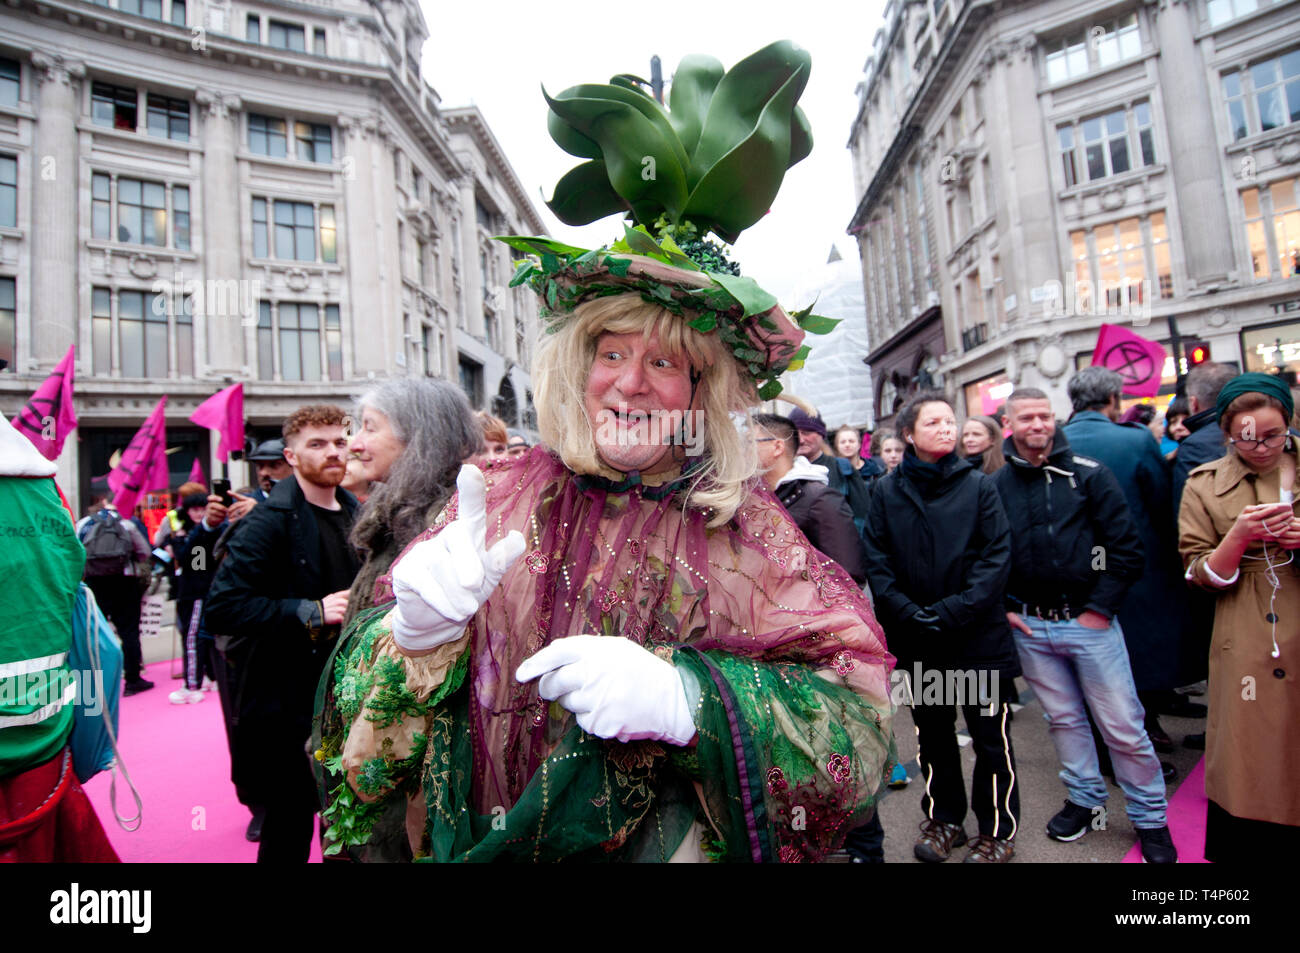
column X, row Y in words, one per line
column 1073, row 540
column 824, row 516
column 947, row 547
column 196, row 561
column 262, row 599
column 1207, row 442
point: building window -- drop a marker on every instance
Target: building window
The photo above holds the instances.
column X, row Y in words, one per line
column 471, row 381
column 10, row 85
column 142, row 334
column 268, row 136
column 178, row 12
column 169, row 118
column 101, row 330
column 1106, row 145
column 315, row 142
column 1102, row 45
column 296, row 231
column 114, row 106
column 8, row 191
column 8, row 322
column 1273, row 229
column 1223, row 11
column 1263, row 97
column 265, row 343
column 286, row 36
column 318, row 41
column 300, row 342
column 289, row 337
column 141, row 212
column 1122, row 264
column 185, row 337
column 333, row 342
column 253, row 31
column 153, row 9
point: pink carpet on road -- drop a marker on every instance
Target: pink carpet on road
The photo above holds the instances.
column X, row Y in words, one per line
column 1186, row 816
column 178, row 759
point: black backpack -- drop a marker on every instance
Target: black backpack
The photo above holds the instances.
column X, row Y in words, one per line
column 108, row 545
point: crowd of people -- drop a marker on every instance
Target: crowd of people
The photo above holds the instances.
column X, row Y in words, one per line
column 1082, row 557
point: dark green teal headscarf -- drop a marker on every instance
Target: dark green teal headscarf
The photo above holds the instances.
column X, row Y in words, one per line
column 1255, row 383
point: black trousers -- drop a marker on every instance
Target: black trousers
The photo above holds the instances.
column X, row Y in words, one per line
column 995, row 795
column 290, row 802
column 119, row 598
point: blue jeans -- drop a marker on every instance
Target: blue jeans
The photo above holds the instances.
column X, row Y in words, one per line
column 1068, row 664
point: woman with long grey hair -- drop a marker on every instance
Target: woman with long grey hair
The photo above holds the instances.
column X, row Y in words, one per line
column 411, row 436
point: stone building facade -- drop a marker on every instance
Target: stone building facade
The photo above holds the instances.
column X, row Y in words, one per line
column 197, row 193
column 1030, row 170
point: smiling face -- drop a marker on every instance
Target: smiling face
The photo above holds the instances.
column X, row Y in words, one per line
column 1178, row 430
column 375, row 445
column 975, row 438
column 635, row 399
column 1032, row 423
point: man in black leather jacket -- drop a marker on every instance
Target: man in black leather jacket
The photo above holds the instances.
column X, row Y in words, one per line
column 1075, row 553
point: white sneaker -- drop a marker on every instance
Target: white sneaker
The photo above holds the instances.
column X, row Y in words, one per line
column 209, row 685
column 183, row 696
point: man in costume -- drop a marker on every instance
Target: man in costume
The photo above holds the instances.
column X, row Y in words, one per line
column 620, row 647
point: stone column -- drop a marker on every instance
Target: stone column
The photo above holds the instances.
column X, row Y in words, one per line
column 221, row 324
column 471, row 274
column 364, row 162
column 1195, row 154
column 1023, row 176
column 55, row 178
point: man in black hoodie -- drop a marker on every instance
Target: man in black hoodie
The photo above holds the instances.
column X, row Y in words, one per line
column 1075, row 553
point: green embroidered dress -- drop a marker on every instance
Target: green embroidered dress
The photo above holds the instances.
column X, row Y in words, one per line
column 781, row 657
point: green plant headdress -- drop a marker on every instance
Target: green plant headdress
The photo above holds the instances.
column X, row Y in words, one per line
column 712, row 162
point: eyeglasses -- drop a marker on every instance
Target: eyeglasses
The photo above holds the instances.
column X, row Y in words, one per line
column 1272, row 443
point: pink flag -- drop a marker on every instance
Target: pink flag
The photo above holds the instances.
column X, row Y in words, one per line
column 196, row 473
column 48, row 417
column 224, row 413
column 144, row 463
column 1139, row 361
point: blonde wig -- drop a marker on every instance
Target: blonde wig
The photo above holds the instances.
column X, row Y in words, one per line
column 563, row 362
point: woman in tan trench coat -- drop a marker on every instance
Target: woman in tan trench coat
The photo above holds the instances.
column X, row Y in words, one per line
column 1238, row 536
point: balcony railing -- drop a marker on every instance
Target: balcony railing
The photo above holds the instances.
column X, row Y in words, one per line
column 973, row 337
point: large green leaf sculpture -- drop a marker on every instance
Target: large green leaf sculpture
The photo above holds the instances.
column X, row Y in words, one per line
column 714, row 159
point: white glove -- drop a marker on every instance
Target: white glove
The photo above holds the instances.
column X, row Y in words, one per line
column 443, row 581
column 616, row 688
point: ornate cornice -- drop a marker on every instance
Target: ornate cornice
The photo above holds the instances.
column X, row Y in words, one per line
column 56, row 68
column 219, row 105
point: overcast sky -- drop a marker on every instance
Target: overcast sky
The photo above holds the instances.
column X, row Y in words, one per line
column 498, row 55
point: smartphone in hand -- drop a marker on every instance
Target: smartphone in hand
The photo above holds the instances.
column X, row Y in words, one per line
column 221, row 487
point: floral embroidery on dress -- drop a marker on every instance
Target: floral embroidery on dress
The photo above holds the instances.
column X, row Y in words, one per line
column 838, row 767
column 609, row 600
column 776, row 780
column 844, row 662
column 537, row 562
column 789, row 854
